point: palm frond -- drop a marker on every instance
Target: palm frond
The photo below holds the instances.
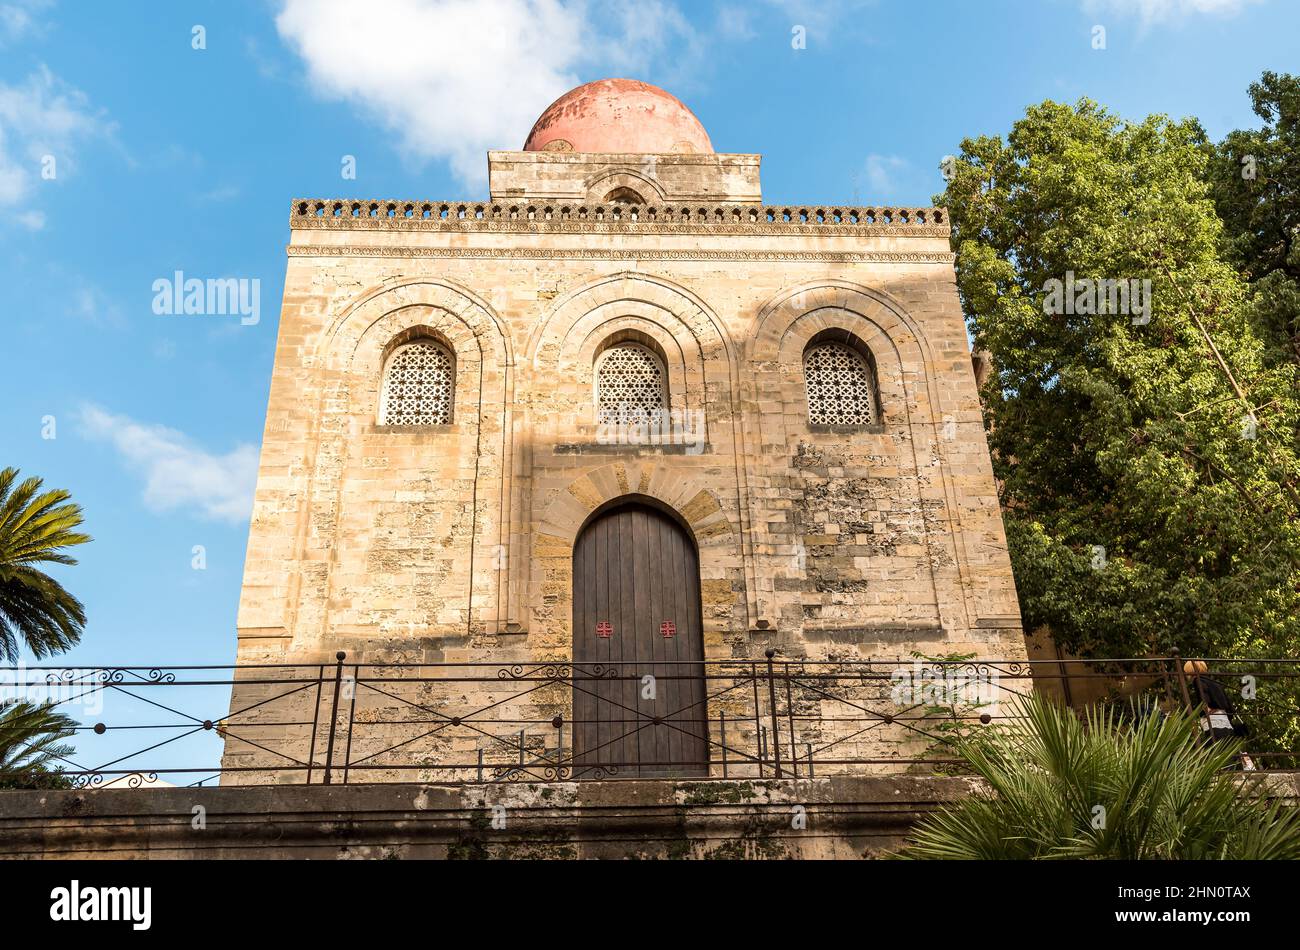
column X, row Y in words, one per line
column 31, row 743
column 36, row 528
column 1061, row 786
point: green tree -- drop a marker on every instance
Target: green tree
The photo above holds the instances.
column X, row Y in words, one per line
column 1255, row 182
column 36, row 527
column 32, row 746
column 1147, row 461
column 1061, row 787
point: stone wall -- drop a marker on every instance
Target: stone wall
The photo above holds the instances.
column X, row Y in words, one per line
column 843, row 817
column 590, row 176
column 848, row 817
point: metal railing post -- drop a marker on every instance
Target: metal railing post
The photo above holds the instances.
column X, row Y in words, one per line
column 722, row 727
column 1182, row 681
column 789, row 712
column 558, row 723
column 334, row 714
column 315, row 722
column 758, row 728
column 352, row 719
column 776, row 723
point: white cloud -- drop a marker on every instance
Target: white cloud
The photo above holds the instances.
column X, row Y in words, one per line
column 42, row 120
column 32, row 220
column 18, row 20
column 449, row 78
column 179, row 474
column 87, row 302
column 883, row 176
column 218, row 194
column 635, row 37
column 819, row 17
column 1152, row 11
column 736, row 22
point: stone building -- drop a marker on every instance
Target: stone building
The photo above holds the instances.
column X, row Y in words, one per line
column 622, row 414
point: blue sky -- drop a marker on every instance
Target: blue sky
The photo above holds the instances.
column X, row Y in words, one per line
column 168, row 157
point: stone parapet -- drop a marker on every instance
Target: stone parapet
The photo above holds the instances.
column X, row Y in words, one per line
column 839, row 817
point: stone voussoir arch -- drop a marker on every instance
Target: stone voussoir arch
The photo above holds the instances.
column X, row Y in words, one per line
column 692, row 313
column 606, row 182
column 692, row 339
column 397, row 305
column 566, row 510
column 890, row 318
column 633, row 321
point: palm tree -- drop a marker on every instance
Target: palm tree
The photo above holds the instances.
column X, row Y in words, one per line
column 31, row 744
column 35, row 527
column 1058, row 786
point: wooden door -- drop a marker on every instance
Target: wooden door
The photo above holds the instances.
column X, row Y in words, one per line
column 636, row 613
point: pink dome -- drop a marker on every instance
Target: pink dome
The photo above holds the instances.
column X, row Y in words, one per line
column 618, row 115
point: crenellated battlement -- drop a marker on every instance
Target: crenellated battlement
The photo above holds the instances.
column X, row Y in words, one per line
column 727, row 218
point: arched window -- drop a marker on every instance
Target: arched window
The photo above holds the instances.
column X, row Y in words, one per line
column 841, row 386
column 419, row 385
column 630, row 385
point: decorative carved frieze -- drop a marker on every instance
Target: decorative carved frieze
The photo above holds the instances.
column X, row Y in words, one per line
column 618, row 254
column 357, row 215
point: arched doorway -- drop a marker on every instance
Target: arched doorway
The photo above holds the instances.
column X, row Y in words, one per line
column 638, row 645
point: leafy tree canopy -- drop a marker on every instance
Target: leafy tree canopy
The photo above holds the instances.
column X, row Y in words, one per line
column 1147, row 457
column 1255, row 182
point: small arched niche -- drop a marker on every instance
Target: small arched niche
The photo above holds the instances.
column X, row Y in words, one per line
column 624, row 195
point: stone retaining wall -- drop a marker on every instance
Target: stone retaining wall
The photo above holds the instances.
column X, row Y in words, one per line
column 838, row 817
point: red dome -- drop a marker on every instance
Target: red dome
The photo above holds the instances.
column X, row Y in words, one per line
column 618, row 115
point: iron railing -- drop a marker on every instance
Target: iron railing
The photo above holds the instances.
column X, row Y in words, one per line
column 353, row 722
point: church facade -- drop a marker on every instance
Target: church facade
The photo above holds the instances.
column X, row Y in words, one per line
column 621, row 411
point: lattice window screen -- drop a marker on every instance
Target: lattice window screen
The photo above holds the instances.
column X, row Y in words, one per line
column 841, row 388
column 629, row 384
column 419, row 386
